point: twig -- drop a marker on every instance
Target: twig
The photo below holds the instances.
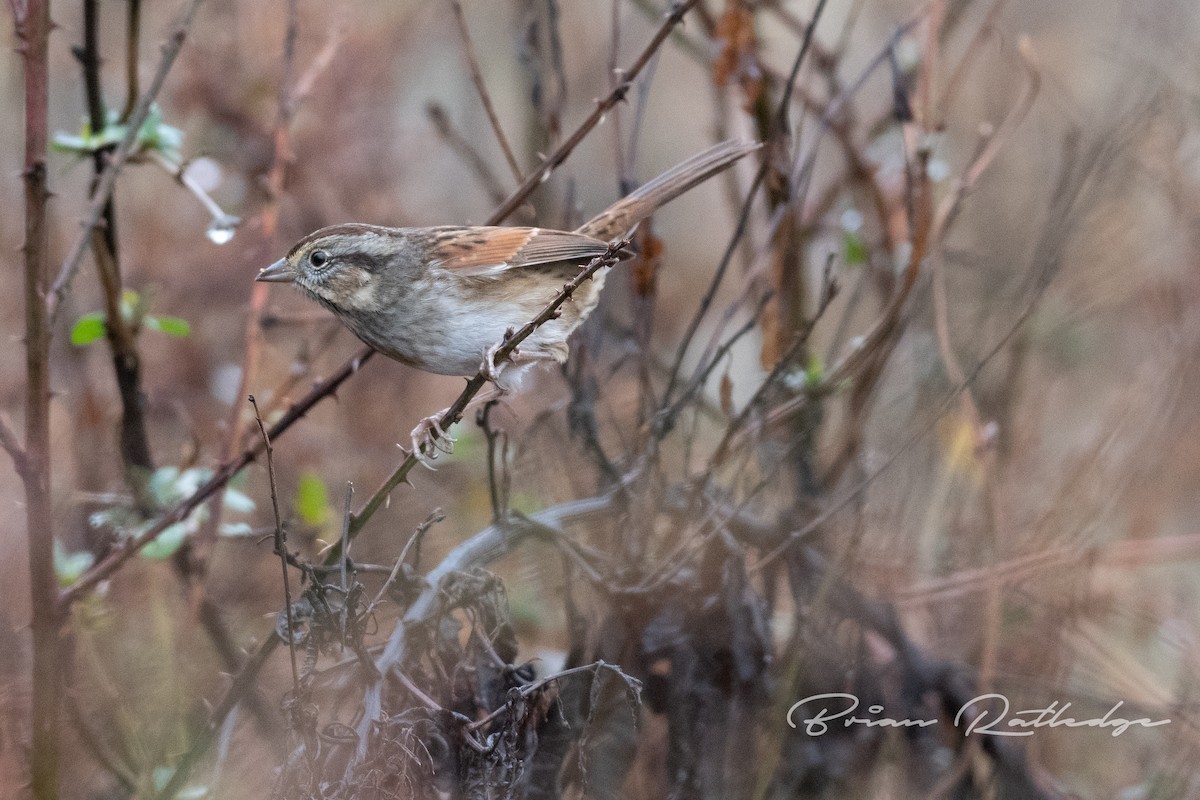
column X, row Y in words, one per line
column 544, row 170
column 497, row 444
column 280, row 546
column 460, row 20
column 529, row 688
column 466, row 151
column 435, row 516
column 11, row 445
column 503, row 353
column 108, row 179
column 104, row 568
column 133, row 32
column 345, row 565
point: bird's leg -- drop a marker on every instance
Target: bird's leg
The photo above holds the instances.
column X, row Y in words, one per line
column 489, row 367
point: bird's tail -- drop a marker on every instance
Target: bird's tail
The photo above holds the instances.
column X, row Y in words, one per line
column 626, row 213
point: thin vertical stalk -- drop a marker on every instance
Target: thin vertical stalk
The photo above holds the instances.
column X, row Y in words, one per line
column 33, row 30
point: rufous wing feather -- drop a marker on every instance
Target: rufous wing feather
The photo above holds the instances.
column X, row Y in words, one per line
column 480, row 251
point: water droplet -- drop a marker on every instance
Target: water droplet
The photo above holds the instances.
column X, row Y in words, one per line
column 546, row 175
column 222, row 229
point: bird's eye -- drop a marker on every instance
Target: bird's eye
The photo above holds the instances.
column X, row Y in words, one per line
column 318, row 258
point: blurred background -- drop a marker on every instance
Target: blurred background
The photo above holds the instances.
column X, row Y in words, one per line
column 1006, row 486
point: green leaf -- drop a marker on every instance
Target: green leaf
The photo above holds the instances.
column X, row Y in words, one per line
column 153, row 135
column 854, row 248
column 167, row 542
column 312, row 499
column 814, row 373
column 88, row 329
column 172, row 326
column 69, row 566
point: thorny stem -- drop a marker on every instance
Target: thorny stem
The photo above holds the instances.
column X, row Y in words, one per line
column 33, row 30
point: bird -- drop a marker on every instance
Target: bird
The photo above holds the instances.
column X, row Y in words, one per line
column 442, row 298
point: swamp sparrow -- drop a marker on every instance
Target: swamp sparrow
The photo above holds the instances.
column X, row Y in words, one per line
column 441, row 299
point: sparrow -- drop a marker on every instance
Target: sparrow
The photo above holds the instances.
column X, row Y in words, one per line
column 442, row 298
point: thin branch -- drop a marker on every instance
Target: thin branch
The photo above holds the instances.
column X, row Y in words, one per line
column 529, row 688
column 460, row 20
column 108, row 179
column 280, row 546
column 435, row 516
column 288, row 100
column 133, row 32
column 11, row 445
column 552, row 161
column 466, row 151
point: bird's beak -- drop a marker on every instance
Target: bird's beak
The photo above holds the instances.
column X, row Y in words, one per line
column 279, row 272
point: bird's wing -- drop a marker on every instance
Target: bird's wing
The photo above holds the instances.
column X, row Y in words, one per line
column 492, row 250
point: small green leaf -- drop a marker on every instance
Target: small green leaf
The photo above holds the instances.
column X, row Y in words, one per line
column 814, row 373
column 88, row 329
column 69, row 566
column 854, row 248
column 172, row 326
column 312, row 499
column 167, row 542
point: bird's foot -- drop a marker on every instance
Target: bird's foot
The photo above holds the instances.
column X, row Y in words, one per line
column 429, row 439
column 489, row 367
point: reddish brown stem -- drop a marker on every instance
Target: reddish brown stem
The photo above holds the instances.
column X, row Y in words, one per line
column 33, row 29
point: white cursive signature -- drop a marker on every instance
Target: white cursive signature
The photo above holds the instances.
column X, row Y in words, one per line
column 985, row 715
column 977, row 710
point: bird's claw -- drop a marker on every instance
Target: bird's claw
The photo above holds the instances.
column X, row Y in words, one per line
column 429, row 440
